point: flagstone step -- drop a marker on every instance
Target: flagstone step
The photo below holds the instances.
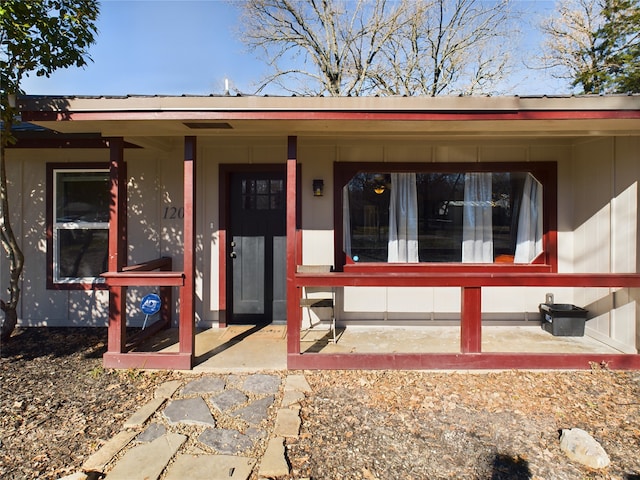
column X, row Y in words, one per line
column 148, row 460
column 210, row 467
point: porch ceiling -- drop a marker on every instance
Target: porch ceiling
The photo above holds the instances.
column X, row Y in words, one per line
column 441, row 117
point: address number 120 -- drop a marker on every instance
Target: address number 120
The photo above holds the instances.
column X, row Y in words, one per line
column 173, row 213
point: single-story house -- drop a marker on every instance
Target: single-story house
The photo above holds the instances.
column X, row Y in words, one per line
column 464, row 211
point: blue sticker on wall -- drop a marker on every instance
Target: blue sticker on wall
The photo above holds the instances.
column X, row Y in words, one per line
column 150, row 304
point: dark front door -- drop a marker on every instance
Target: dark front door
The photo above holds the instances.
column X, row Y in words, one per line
column 256, row 265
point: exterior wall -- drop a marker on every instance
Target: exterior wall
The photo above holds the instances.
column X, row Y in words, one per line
column 26, row 170
column 597, row 225
column 153, row 185
column 154, row 213
column 426, row 305
column 605, row 237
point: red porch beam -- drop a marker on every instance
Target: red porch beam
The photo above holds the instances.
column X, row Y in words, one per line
column 148, row 360
column 186, row 330
column 293, row 297
column 426, row 278
column 449, row 361
column 144, row 279
column 116, row 335
column 471, row 320
column 162, row 263
column 117, row 245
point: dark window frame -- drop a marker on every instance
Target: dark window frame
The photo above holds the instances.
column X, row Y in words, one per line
column 545, row 172
column 50, row 216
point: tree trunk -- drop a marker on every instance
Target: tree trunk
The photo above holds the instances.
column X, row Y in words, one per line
column 10, row 244
column 8, row 322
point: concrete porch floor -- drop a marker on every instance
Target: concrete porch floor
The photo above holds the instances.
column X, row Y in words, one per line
column 255, row 348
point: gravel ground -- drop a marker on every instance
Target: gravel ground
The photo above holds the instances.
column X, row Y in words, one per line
column 57, row 406
column 419, row 425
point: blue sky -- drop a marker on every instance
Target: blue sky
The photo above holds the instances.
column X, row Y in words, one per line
column 174, row 47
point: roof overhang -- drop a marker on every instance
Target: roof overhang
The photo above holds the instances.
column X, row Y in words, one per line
column 158, row 116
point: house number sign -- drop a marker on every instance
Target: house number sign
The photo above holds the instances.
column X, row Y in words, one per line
column 173, row 213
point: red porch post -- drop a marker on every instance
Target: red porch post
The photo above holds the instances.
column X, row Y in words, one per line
column 471, row 320
column 293, row 295
column 117, row 245
column 186, row 330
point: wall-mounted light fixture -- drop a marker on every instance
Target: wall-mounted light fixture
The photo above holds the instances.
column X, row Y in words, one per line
column 318, row 187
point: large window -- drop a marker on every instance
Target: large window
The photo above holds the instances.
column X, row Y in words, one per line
column 464, row 216
column 79, row 226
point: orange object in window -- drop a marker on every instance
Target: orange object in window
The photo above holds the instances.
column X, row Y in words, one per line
column 504, row 259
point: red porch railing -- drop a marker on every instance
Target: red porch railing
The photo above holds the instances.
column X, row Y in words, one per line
column 471, row 284
column 155, row 273
column 470, row 356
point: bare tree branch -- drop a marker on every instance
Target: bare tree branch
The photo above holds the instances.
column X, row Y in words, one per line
column 454, row 42
column 381, row 47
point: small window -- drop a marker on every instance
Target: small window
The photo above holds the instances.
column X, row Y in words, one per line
column 79, row 229
column 262, row 194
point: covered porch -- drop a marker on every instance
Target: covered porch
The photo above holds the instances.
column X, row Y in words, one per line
column 474, row 346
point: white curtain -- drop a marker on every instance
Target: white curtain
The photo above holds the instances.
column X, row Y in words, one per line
column 477, row 224
column 403, row 219
column 529, row 238
column 346, row 221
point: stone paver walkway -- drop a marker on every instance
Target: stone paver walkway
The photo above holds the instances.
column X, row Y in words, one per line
column 213, row 427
